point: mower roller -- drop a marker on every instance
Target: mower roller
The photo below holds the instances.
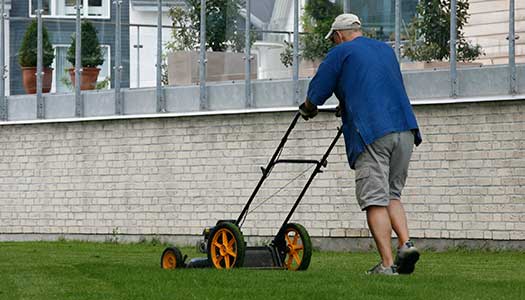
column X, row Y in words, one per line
column 291, row 247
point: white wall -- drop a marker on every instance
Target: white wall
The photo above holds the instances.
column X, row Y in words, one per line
column 148, row 40
column 174, row 176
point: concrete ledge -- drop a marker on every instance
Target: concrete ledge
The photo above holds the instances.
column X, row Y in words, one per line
column 196, row 112
column 346, row 244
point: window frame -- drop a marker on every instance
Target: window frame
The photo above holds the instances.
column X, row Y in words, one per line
column 84, row 14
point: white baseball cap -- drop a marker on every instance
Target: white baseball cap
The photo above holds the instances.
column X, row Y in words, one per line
column 342, row 22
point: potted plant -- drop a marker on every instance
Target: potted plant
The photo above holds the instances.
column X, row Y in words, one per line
column 91, row 57
column 224, row 42
column 27, row 58
column 429, row 40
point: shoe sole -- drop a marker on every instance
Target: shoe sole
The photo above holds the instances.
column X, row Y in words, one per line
column 408, row 263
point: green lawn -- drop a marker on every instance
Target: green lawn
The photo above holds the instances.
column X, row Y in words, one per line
column 77, row 270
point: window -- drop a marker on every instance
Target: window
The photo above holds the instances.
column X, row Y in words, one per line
column 96, row 9
column 62, row 81
column 378, row 16
column 45, row 7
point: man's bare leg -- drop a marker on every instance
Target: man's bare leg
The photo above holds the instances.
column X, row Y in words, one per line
column 398, row 220
column 381, row 228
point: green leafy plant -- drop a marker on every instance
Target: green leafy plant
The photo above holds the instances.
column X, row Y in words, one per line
column 317, row 20
column 27, row 55
column 429, row 33
column 287, row 55
column 222, row 26
column 114, row 238
column 91, row 52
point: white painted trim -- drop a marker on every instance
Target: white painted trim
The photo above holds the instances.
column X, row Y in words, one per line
column 251, row 111
column 85, row 14
column 468, row 99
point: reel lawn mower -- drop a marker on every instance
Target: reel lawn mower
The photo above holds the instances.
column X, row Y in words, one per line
column 291, row 247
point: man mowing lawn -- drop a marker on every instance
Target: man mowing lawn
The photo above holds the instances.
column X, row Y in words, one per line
column 380, row 130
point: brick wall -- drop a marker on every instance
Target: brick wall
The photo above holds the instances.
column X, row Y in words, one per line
column 173, row 176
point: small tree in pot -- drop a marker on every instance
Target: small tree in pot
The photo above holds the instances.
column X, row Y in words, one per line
column 90, row 58
column 27, row 58
column 429, row 33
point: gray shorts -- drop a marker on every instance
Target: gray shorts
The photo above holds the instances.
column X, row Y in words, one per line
column 381, row 171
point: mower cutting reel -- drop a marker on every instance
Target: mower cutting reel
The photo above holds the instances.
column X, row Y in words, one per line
column 224, row 243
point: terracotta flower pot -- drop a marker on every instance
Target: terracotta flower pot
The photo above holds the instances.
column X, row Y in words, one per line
column 88, row 78
column 29, row 79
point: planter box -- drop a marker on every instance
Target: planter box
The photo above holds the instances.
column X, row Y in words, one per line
column 183, row 67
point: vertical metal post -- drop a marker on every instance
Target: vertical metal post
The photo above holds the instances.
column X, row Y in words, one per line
column 3, row 99
column 138, row 46
column 453, row 37
column 119, row 109
column 161, row 103
column 40, row 114
column 513, row 89
column 78, row 63
column 398, row 29
column 202, row 59
column 248, row 57
column 346, row 6
column 296, row 51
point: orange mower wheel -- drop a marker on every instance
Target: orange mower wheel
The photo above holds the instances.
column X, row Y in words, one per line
column 171, row 259
column 226, row 246
column 298, row 247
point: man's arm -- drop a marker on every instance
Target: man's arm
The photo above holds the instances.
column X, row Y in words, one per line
column 322, row 86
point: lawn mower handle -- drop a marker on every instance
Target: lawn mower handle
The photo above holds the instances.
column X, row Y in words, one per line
column 266, row 171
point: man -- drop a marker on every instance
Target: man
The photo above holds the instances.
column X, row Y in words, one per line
column 380, row 130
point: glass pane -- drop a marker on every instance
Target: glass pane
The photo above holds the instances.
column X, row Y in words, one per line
column 65, row 8
column 273, row 24
column 98, row 8
column 104, row 76
column 224, row 43
column 316, row 20
column 488, row 27
column 378, row 16
column 45, row 6
column 143, row 46
column 481, row 37
column 62, row 66
column 63, row 83
column 95, row 3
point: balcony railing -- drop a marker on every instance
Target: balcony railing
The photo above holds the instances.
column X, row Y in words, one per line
column 147, row 59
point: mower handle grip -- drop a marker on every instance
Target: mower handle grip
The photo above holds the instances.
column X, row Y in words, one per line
column 330, row 110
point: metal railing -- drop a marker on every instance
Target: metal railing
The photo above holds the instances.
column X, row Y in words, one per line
column 204, row 105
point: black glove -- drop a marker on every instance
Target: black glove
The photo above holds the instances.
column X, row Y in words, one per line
column 338, row 111
column 307, row 113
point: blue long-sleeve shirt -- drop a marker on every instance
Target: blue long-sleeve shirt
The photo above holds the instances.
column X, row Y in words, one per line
column 365, row 76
